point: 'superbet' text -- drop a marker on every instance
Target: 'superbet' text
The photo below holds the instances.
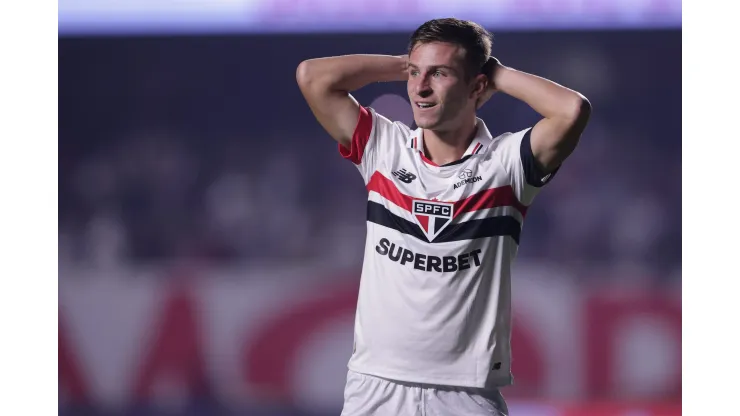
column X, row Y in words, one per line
column 425, row 262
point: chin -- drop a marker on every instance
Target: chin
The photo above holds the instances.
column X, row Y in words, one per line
column 426, row 122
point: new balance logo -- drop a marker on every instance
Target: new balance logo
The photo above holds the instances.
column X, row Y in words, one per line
column 404, row 176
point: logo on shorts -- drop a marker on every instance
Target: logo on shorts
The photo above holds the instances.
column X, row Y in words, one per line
column 432, row 216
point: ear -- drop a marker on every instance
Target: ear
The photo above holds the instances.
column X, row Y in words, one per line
column 479, row 86
column 482, row 81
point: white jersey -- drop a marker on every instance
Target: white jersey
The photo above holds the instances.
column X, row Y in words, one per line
column 435, row 294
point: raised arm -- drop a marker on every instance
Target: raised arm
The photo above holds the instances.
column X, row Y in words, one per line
column 566, row 113
column 326, row 84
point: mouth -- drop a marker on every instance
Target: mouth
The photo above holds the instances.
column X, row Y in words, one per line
column 425, row 105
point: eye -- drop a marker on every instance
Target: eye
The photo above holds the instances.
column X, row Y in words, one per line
column 438, row 74
column 414, row 72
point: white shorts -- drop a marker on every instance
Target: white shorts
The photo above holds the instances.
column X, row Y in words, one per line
column 366, row 395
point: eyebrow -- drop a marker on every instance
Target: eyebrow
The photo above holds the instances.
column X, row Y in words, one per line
column 435, row 67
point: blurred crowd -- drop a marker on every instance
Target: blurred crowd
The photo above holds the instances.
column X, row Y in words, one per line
column 215, row 179
column 155, row 196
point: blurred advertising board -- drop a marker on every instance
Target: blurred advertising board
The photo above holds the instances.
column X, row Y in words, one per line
column 253, row 336
column 90, row 17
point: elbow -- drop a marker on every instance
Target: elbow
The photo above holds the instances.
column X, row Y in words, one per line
column 311, row 75
column 579, row 110
column 577, row 120
column 304, row 74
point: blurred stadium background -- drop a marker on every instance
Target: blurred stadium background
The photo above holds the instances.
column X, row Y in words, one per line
column 210, row 236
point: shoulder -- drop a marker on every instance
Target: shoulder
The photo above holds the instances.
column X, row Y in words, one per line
column 509, row 139
column 383, row 128
column 383, row 121
column 514, row 151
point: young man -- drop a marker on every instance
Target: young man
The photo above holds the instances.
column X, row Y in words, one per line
column 445, row 209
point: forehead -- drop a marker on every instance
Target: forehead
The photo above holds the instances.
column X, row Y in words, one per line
column 437, row 53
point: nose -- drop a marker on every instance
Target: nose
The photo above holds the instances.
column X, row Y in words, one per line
column 420, row 86
column 423, row 89
column 424, row 93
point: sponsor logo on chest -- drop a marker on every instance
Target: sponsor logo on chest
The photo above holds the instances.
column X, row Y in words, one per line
column 467, row 178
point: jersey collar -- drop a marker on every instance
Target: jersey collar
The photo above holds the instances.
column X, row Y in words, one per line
column 478, row 146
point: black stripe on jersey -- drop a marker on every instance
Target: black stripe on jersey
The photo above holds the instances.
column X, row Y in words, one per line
column 456, row 162
column 532, row 171
column 378, row 214
column 487, row 227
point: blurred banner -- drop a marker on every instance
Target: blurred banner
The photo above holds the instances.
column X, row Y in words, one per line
column 91, row 17
column 281, row 335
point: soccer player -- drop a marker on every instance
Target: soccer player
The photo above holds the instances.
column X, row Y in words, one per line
column 446, row 203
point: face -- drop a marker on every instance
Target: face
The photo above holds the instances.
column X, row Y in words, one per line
column 440, row 95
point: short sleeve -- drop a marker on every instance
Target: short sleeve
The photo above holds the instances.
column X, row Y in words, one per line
column 515, row 153
column 373, row 139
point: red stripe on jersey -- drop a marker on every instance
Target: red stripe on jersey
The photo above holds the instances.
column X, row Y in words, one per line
column 475, row 149
column 387, row 189
column 360, row 137
column 490, row 198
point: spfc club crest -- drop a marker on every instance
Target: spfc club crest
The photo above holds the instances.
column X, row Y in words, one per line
column 432, row 216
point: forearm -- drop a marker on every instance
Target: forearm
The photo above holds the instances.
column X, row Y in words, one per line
column 546, row 97
column 352, row 72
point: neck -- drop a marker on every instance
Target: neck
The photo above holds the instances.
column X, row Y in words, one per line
column 447, row 146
